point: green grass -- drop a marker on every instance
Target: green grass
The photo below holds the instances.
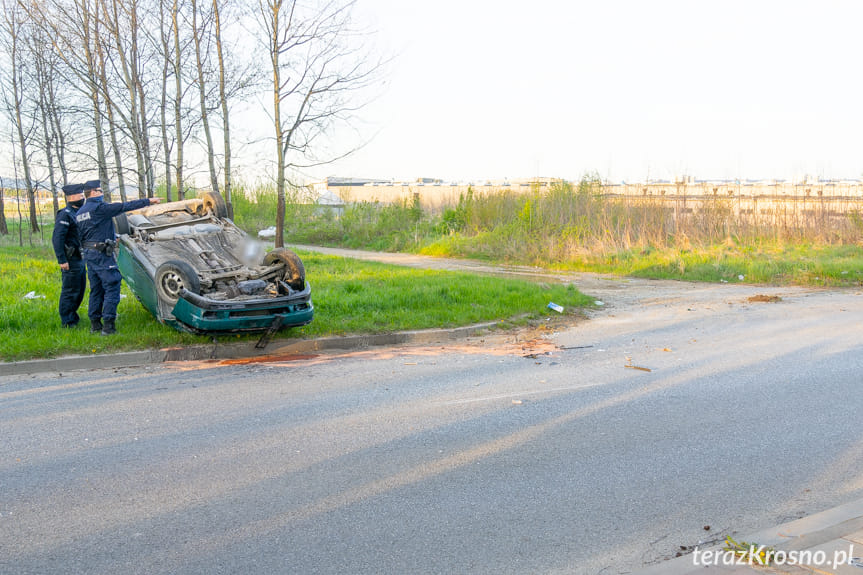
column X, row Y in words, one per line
column 766, row 262
column 570, row 227
column 350, row 296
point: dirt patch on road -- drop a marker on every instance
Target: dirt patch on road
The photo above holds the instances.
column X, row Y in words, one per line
column 761, row 298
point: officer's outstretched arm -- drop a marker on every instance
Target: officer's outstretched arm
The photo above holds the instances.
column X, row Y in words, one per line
column 117, row 208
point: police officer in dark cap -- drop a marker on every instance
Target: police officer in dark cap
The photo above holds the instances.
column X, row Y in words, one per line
column 67, row 248
column 96, row 227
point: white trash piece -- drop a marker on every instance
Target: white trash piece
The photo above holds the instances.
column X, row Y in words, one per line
column 555, row 307
column 32, row 295
column 270, row 232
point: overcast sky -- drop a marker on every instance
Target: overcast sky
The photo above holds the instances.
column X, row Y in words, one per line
column 492, row 89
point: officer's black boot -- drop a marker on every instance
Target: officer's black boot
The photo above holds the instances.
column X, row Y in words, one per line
column 96, row 325
column 109, row 328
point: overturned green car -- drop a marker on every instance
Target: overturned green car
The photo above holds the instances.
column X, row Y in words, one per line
column 195, row 270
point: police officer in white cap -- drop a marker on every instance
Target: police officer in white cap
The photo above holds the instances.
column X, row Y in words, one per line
column 96, row 226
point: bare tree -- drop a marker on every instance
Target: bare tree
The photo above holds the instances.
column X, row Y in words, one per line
column 13, row 24
column 165, row 33
column 200, row 33
column 112, row 122
column 55, row 115
column 4, row 228
column 121, row 18
column 223, row 101
column 118, row 54
column 73, row 30
column 319, row 67
column 238, row 77
column 178, row 98
column 41, row 58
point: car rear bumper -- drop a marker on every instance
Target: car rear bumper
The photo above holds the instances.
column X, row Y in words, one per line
column 200, row 314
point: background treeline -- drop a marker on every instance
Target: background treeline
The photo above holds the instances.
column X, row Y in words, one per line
column 143, row 91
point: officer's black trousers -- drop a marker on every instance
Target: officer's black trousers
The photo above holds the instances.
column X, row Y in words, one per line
column 72, row 292
column 104, row 292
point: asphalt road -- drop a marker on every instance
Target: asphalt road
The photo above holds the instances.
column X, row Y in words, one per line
column 596, row 448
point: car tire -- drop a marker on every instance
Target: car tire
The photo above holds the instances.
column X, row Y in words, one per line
column 121, row 225
column 174, row 275
column 295, row 272
column 214, row 204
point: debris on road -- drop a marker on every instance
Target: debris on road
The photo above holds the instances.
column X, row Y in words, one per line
column 761, row 298
column 761, row 554
column 638, row 367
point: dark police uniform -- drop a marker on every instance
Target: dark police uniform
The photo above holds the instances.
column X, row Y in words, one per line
column 96, row 228
column 67, row 248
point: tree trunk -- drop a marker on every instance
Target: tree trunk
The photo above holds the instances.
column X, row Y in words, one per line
column 145, row 174
column 49, row 156
column 223, row 99
column 100, row 144
column 178, row 101
column 277, row 119
column 137, row 75
column 112, row 130
column 22, row 144
column 202, row 92
column 145, row 142
column 57, row 127
column 166, row 145
column 127, row 65
column 4, row 228
column 44, row 80
column 118, row 157
column 95, row 72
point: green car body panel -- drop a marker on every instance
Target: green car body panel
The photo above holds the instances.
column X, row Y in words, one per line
column 194, row 270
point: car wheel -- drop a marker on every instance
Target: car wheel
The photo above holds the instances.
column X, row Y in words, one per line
column 214, row 204
column 173, row 276
column 121, row 225
column 295, row 272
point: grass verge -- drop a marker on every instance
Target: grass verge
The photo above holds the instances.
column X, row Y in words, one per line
column 775, row 263
column 350, row 296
